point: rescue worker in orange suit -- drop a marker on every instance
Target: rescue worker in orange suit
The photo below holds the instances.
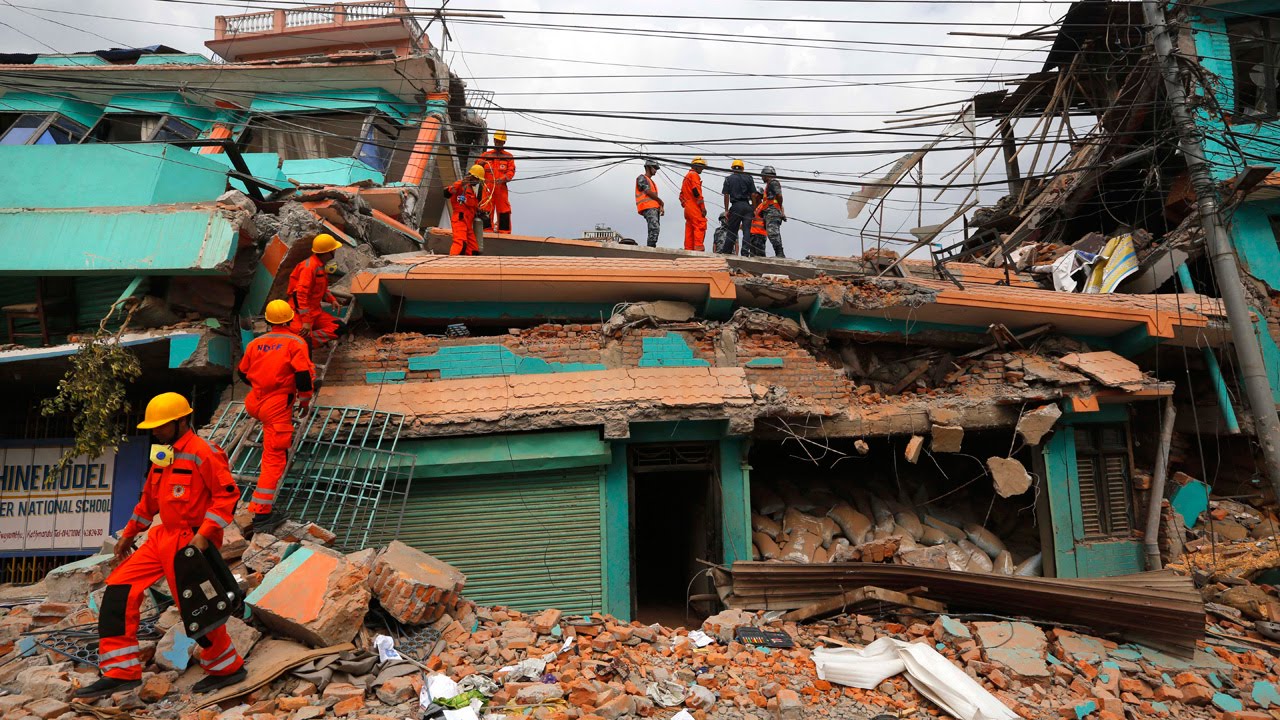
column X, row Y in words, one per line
column 309, row 287
column 464, row 203
column 695, row 206
column 278, row 369
column 648, row 204
column 190, row 487
column 499, row 169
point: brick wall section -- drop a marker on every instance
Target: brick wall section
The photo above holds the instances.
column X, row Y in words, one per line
column 805, row 377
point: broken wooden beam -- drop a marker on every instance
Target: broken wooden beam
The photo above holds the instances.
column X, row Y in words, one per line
column 860, row 598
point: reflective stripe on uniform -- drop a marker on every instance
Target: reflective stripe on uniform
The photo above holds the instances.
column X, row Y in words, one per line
column 216, row 520
column 117, row 653
column 121, row 664
column 141, row 520
column 188, row 456
column 222, row 664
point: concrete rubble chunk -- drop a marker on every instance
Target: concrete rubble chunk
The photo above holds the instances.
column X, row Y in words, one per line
column 722, row 625
column 1107, row 368
column 660, row 311
column 1034, row 423
column 1017, row 646
column 946, row 438
column 414, row 587
column 264, row 552
column 1009, row 476
column 313, row 595
column 914, row 446
column 74, row 582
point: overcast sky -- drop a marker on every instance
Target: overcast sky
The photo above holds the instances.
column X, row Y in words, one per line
column 928, row 65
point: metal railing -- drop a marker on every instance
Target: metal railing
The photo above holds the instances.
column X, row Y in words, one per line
column 344, row 473
column 281, row 20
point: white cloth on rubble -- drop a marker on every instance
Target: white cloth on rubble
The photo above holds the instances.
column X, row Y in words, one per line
column 929, row 672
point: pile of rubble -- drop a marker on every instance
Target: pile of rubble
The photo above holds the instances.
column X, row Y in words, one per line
column 386, row 633
column 818, row 525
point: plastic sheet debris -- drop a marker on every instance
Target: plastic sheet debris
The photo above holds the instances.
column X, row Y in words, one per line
column 665, row 693
column 700, row 638
column 386, row 648
column 756, row 637
column 928, row 671
column 530, row 669
column 479, row 683
column 682, row 715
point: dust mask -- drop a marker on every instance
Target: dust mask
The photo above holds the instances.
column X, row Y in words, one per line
column 161, row 455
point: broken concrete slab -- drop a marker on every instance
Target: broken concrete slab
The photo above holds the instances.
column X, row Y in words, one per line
column 1020, row 647
column 1008, row 476
column 74, row 582
column 313, row 595
column 722, row 625
column 414, row 587
column 946, row 438
column 1107, row 368
column 659, row 311
column 1034, row 423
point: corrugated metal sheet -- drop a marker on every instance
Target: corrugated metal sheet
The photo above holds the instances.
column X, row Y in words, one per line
column 170, row 239
column 527, row 541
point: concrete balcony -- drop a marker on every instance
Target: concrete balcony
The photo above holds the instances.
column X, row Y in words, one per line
column 370, row 25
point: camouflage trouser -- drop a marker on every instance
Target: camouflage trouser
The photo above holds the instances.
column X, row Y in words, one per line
column 654, row 221
column 755, row 246
column 721, row 242
column 773, row 226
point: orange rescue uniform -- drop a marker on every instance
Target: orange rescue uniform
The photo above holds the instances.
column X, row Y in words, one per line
column 277, row 367
column 308, row 287
column 695, row 211
column 463, row 205
column 499, row 169
column 194, row 493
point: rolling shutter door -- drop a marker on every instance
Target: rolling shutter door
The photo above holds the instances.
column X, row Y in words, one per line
column 528, row 541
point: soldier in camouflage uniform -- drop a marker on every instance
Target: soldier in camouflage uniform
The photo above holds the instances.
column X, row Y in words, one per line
column 773, row 213
column 720, row 241
column 648, row 204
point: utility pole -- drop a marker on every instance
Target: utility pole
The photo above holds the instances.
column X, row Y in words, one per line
column 1266, row 422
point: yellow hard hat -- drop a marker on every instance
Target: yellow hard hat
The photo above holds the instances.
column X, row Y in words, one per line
column 738, row 165
column 165, row 408
column 500, row 135
column 477, row 172
column 698, row 161
column 279, row 312
column 324, row 242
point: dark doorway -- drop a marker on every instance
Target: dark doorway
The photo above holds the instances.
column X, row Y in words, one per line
column 675, row 521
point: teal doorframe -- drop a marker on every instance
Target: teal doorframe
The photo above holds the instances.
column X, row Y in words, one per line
column 1071, row 556
column 735, row 501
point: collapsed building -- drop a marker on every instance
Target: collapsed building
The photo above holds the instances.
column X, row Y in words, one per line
column 582, row 423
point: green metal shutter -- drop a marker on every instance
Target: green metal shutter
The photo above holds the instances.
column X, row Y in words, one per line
column 528, row 541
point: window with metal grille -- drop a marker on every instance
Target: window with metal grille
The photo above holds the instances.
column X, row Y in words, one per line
column 1102, row 461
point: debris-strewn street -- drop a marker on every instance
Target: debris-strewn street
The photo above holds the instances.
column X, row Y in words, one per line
column 360, row 635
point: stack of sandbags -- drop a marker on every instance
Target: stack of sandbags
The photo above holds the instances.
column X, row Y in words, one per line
column 820, row 526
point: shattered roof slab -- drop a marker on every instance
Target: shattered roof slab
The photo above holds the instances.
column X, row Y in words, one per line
column 546, row 279
column 157, row 239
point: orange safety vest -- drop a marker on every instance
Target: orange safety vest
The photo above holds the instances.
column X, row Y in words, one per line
column 691, row 191
column 757, row 220
column 643, row 201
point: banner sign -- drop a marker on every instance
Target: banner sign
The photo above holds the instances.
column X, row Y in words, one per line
column 44, row 509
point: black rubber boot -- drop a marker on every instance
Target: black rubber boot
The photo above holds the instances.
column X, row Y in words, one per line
column 217, row 682
column 105, row 687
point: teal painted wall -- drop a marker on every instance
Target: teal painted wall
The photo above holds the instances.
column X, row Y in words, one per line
column 501, row 454
column 80, row 60
column 735, row 499
column 1254, row 240
column 615, row 506
column 67, row 176
column 183, row 59
column 352, row 99
column 163, row 103
column 462, row 361
column 125, row 241
column 81, row 112
column 330, row 171
column 670, row 350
